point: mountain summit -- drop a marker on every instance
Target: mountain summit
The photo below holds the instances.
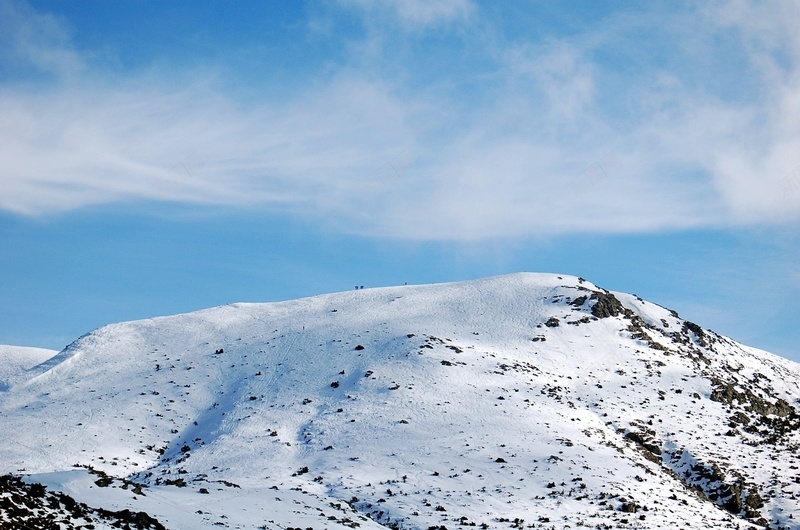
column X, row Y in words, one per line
column 520, row 401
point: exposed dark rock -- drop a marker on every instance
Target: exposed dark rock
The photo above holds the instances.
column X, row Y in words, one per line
column 646, row 439
column 25, row 505
column 770, row 417
column 698, row 332
column 578, row 302
column 727, row 489
column 606, row 305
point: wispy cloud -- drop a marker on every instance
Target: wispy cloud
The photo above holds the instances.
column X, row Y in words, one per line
column 754, row 167
column 538, row 145
column 37, row 40
column 416, row 14
column 82, row 146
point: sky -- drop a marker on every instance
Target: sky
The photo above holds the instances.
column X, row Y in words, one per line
column 164, row 157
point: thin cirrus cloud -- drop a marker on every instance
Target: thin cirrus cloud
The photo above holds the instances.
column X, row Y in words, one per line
column 419, row 14
column 38, row 40
column 554, row 139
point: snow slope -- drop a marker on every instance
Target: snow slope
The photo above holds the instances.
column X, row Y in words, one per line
column 15, row 360
column 528, row 400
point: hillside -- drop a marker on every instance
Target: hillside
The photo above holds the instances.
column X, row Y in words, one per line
column 15, row 360
column 528, row 400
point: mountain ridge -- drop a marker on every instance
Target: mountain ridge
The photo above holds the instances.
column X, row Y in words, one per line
column 526, row 400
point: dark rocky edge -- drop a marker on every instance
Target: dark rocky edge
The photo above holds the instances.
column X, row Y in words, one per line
column 31, row 506
column 756, row 412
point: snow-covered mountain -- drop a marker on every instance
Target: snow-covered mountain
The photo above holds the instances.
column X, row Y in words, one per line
column 521, row 401
column 15, row 360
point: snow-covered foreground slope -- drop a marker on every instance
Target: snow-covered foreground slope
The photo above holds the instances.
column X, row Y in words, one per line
column 529, row 400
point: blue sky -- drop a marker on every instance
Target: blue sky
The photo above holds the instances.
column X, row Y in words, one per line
column 165, row 157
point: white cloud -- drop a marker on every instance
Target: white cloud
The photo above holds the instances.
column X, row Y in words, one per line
column 535, row 153
column 36, row 39
column 83, row 146
column 756, row 167
column 417, row 13
column 561, row 73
